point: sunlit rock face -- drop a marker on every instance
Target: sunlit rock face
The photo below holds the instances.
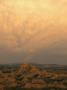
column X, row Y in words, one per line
column 31, row 28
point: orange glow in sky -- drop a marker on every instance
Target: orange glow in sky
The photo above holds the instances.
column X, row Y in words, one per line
column 33, row 25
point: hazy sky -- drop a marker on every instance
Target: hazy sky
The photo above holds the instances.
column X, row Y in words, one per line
column 33, row 31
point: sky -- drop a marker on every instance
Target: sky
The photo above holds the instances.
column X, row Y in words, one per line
column 33, row 31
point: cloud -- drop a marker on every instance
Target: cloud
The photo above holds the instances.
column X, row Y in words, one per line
column 29, row 26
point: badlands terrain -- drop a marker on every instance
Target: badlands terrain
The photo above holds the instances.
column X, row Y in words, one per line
column 33, row 77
